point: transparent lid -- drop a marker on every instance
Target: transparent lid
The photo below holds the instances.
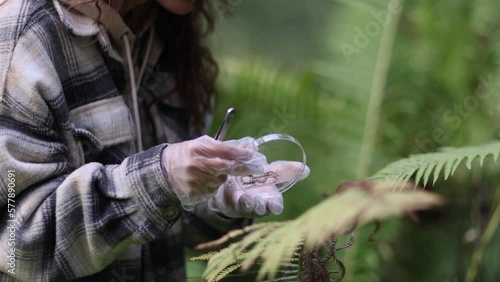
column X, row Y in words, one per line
column 286, row 162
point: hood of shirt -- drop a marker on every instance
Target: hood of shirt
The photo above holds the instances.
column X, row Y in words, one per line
column 94, row 19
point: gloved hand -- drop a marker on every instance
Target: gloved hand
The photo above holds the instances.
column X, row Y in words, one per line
column 197, row 168
column 234, row 201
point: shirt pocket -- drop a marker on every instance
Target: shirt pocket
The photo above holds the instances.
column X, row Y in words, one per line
column 109, row 122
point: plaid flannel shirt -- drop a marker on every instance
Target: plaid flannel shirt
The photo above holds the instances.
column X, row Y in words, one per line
column 87, row 205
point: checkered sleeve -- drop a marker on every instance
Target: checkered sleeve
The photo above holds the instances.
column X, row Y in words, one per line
column 69, row 221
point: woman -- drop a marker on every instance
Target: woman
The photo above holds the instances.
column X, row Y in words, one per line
column 91, row 92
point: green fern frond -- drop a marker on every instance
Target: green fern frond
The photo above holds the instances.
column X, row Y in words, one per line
column 425, row 166
column 276, row 243
column 291, row 278
column 204, row 257
column 261, row 91
column 228, row 270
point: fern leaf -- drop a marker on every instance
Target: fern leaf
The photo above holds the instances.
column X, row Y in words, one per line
column 291, row 278
column 423, row 166
column 204, row 257
column 437, row 170
column 231, row 235
column 277, row 244
column 227, row 271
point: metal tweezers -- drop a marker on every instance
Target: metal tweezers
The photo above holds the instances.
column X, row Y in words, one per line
column 221, row 133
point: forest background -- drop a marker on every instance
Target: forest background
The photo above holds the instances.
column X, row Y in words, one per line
column 362, row 84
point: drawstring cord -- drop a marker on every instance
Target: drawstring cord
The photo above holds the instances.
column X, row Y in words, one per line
column 133, row 89
column 134, row 83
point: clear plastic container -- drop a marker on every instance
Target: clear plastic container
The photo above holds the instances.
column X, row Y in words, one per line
column 277, row 148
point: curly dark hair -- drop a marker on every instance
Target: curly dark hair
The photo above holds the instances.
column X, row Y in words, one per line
column 191, row 60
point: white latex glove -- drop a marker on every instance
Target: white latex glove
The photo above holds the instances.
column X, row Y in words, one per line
column 196, row 168
column 234, row 201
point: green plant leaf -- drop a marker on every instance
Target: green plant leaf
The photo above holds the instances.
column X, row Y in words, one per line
column 274, row 244
column 432, row 164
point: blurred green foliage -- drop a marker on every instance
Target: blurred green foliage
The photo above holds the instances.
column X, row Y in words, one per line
column 285, row 68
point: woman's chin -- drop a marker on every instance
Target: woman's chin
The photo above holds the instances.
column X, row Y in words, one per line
column 180, row 7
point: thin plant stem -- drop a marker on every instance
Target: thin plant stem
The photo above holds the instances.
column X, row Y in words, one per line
column 377, row 94
column 374, row 107
column 489, row 232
